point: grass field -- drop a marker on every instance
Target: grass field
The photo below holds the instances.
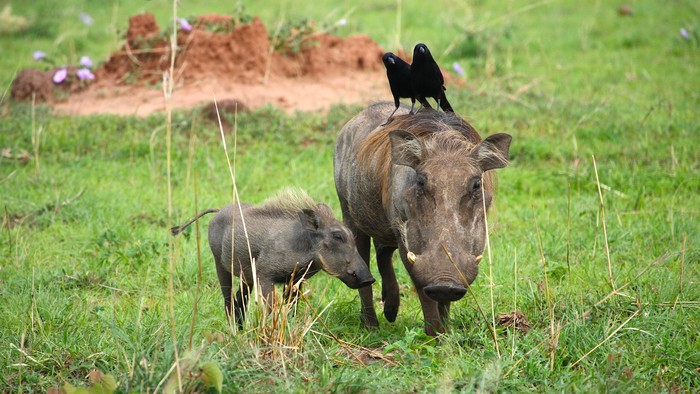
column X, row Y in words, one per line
column 86, row 280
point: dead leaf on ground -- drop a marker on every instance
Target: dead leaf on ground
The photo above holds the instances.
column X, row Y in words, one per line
column 366, row 356
column 516, row 319
column 22, row 155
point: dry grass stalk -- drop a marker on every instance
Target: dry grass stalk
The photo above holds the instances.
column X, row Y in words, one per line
column 345, row 345
column 680, row 278
column 168, row 84
column 488, row 249
column 198, row 238
column 235, row 198
column 680, row 272
column 688, row 304
column 568, row 232
column 515, row 295
column 491, row 328
column 585, row 314
column 605, row 227
column 554, row 335
column 397, row 39
column 657, row 261
column 606, row 339
column 36, row 134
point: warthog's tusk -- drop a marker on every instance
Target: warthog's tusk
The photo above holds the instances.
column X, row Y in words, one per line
column 478, row 258
column 411, row 257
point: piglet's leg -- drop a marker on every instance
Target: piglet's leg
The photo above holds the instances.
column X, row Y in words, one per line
column 225, row 281
column 241, row 303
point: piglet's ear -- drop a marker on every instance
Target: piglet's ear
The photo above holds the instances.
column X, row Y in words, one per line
column 406, row 150
column 310, row 219
column 493, row 152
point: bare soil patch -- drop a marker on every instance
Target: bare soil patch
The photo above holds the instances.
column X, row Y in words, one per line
column 234, row 63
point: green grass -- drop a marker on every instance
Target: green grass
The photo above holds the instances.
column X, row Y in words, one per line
column 85, row 286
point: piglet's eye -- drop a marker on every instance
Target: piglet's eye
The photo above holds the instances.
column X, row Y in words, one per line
column 338, row 236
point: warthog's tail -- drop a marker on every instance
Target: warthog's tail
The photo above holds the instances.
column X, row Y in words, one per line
column 178, row 229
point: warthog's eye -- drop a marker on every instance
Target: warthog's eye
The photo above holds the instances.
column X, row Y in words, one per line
column 420, row 182
column 338, row 236
column 475, row 187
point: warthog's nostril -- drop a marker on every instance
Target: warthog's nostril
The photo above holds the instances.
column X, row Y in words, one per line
column 445, row 292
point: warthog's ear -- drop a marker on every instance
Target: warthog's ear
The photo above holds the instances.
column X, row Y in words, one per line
column 310, row 219
column 493, row 152
column 406, row 150
column 323, row 209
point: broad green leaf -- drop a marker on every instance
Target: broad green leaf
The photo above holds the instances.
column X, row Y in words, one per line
column 70, row 389
column 213, row 375
column 109, row 383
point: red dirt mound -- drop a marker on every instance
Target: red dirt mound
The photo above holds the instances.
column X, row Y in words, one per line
column 219, row 59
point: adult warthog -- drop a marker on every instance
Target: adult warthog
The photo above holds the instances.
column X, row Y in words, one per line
column 420, row 185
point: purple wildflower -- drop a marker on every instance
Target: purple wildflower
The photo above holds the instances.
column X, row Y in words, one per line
column 684, row 33
column 84, row 74
column 85, row 61
column 39, row 55
column 185, row 25
column 458, row 69
column 60, row 75
column 87, row 19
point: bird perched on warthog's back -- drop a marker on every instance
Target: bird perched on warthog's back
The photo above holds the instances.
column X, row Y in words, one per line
column 427, row 79
column 398, row 72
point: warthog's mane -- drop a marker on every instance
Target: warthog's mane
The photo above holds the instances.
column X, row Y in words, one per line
column 441, row 132
column 289, row 201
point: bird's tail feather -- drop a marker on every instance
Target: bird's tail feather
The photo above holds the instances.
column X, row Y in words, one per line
column 444, row 104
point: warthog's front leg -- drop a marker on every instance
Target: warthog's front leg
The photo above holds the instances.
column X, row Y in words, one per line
column 433, row 322
column 390, row 287
column 444, row 310
column 368, row 315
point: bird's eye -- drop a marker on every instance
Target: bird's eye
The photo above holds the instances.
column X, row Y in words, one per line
column 338, row 236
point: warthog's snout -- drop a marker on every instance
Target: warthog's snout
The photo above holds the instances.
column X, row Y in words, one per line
column 445, row 292
column 360, row 278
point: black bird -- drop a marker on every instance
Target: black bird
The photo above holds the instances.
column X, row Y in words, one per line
column 399, row 74
column 427, row 79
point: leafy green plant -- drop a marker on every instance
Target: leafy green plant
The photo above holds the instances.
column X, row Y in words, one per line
column 294, row 36
column 100, row 384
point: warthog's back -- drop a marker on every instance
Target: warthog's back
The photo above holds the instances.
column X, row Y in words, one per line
column 363, row 169
column 359, row 187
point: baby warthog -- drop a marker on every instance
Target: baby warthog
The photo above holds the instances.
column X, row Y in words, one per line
column 288, row 236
